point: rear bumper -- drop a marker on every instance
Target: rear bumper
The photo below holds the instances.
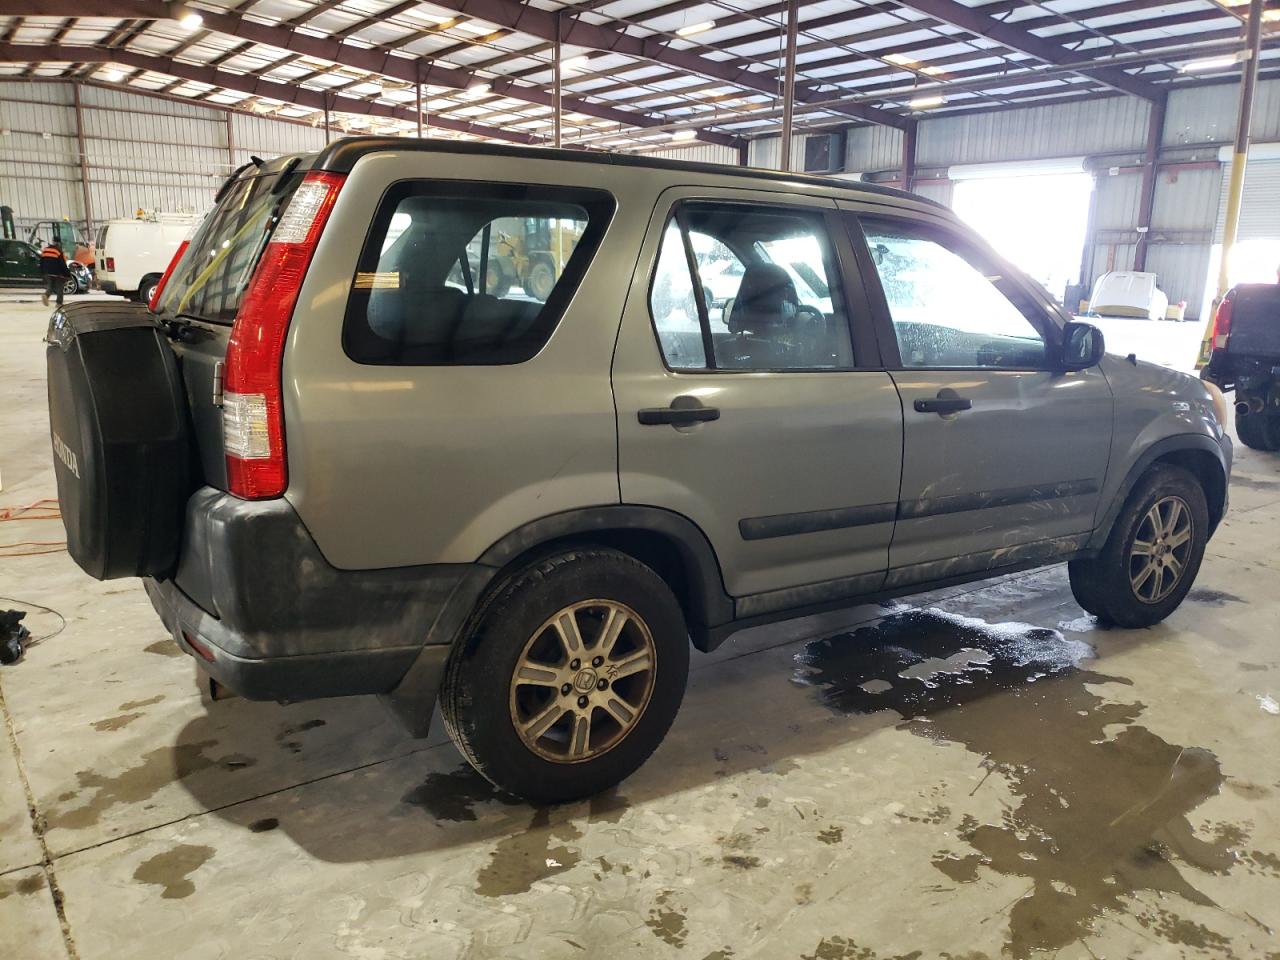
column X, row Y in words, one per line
column 264, row 614
column 108, row 286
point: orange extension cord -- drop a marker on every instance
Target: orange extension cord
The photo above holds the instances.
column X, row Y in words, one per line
column 46, row 509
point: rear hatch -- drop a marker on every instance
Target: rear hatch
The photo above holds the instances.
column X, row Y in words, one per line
column 202, row 294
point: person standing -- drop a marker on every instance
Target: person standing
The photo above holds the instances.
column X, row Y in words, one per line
column 53, row 264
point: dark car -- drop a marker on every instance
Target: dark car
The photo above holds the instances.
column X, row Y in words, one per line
column 1243, row 347
column 20, row 267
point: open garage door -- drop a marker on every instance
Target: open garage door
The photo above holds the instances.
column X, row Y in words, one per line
column 1035, row 213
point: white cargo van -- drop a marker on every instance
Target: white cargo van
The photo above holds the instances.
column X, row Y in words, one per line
column 132, row 254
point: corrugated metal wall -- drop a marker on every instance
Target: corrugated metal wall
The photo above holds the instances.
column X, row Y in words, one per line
column 1112, row 134
column 143, row 152
column 699, row 153
column 765, row 153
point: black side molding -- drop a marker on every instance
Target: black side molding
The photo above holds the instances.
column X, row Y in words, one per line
column 814, row 521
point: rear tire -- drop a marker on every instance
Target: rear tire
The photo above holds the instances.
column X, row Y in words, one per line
column 1259, row 431
column 70, row 287
column 147, row 288
column 1146, row 567
column 522, row 695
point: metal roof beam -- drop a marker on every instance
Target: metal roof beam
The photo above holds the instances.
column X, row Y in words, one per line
column 240, row 83
column 1016, row 38
column 655, row 48
column 374, row 60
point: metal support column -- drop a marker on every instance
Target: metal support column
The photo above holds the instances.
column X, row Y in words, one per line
column 909, row 155
column 328, row 128
column 84, row 162
column 1235, row 190
column 1150, row 177
column 556, row 78
column 418, row 92
column 789, row 84
column 231, row 143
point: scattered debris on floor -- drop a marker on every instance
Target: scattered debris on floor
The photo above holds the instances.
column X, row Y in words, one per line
column 13, row 636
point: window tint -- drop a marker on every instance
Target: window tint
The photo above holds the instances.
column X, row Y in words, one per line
column 765, row 276
column 947, row 310
column 466, row 273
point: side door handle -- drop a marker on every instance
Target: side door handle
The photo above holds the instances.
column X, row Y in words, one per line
column 684, row 410
column 947, row 401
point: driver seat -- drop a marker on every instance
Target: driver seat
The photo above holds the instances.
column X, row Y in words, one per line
column 766, row 302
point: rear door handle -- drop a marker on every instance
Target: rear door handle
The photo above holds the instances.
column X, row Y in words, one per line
column 947, row 401
column 683, row 411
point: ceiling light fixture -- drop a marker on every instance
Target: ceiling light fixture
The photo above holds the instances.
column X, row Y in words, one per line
column 901, row 59
column 925, row 103
column 190, row 20
column 1210, row 63
column 113, row 75
column 693, row 28
column 477, row 89
column 684, row 134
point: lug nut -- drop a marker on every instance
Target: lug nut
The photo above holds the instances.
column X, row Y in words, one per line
column 597, row 661
column 575, row 664
column 582, row 701
column 602, row 685
column 565, row 689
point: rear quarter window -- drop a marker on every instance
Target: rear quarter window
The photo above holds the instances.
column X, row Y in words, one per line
column 469, row 273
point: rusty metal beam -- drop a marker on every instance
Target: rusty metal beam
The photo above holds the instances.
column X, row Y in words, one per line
column 239, row 83
column 374, row 60
column 1016, row 38
column 655, row 48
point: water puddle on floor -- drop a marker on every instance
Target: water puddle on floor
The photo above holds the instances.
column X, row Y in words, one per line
column 1102, row 802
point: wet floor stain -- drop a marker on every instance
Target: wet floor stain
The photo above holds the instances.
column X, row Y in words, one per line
column 288, row 734
column 519, row 861
column 1212, row 598
column 24, row 887
column 667, row 923
column 1252, row 483
column 135, row 704
column 115, row 723
column 172, row 869
column 831, row 835
column 840, row 948
column 264, row 825
column 158, row 769
column 1031, row 711
column 455, row 795
column 164, row 648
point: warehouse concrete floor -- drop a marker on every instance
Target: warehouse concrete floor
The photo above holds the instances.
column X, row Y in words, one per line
column 975, row 773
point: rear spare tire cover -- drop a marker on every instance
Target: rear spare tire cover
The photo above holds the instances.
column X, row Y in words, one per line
column 121, row 450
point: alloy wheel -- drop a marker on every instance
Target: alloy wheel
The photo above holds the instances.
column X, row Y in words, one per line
column 1161, row 547
column 583, row 681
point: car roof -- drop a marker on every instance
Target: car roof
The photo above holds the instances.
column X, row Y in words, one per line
column 341, row 155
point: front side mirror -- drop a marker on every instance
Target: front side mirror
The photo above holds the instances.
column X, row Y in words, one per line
column 1082, row 346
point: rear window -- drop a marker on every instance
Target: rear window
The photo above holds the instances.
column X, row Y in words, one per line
column 209, row 282
column 469, row 273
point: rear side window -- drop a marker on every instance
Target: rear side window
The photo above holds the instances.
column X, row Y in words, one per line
column 767, row 294
column 469, row 273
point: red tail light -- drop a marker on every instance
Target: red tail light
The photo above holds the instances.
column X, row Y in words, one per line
column 1221, row 325
column 111, row 263
column 252, row 415
column 168, row 272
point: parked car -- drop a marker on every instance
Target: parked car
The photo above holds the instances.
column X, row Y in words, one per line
column 20, row 267
column 132, row 254
column 528, row 509
column 1243, row 346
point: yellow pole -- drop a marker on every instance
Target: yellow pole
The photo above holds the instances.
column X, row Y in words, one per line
column 1239, row 160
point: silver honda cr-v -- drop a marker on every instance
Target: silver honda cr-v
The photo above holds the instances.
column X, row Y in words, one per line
column 511, row 428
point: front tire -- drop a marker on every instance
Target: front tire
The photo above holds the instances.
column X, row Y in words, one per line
column 1259, row 431
column 70, row 287
column 570, row 677
column 1152, row 556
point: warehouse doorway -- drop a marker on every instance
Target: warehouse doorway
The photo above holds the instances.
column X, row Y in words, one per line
column 1035, row 217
